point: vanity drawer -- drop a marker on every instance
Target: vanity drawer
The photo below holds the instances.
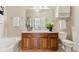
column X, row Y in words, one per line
column 39, row 35
column 53, row 35
column 26, row 35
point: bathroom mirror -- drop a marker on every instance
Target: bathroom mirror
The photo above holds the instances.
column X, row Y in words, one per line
column 37, row 19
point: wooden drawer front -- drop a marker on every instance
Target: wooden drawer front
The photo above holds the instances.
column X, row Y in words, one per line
column 39, row 35
column 53, row 35
column 26, row 35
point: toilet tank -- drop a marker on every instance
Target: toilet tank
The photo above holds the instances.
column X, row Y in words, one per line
column 62, row 35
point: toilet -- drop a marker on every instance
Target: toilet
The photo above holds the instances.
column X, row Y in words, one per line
column 66, row 44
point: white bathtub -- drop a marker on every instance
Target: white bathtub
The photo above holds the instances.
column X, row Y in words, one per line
column 9, row 44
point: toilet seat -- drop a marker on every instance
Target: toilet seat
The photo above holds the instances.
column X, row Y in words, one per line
column 68, row 43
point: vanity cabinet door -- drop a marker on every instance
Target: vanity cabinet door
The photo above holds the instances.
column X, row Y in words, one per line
column 35, row 43
column 43, row 43
column 26, row 43
column 53, row 43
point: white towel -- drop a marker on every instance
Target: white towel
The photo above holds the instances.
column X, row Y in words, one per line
column 62, row 24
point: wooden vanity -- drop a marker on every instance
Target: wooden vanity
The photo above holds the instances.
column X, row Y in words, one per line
column 39, row 41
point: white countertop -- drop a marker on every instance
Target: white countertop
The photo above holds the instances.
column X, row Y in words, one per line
column 39, row 32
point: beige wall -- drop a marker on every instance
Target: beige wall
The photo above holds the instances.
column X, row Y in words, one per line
column 11, row 12
column 75, row 27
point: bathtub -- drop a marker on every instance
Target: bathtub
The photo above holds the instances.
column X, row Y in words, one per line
column 9, row 44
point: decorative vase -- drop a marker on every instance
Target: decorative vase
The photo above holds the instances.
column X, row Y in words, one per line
column 50, row 29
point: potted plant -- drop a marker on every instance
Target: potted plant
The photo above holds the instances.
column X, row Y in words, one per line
column 50, row 26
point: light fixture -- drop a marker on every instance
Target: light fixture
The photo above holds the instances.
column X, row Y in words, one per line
column 37, row 8
column 40, row 7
